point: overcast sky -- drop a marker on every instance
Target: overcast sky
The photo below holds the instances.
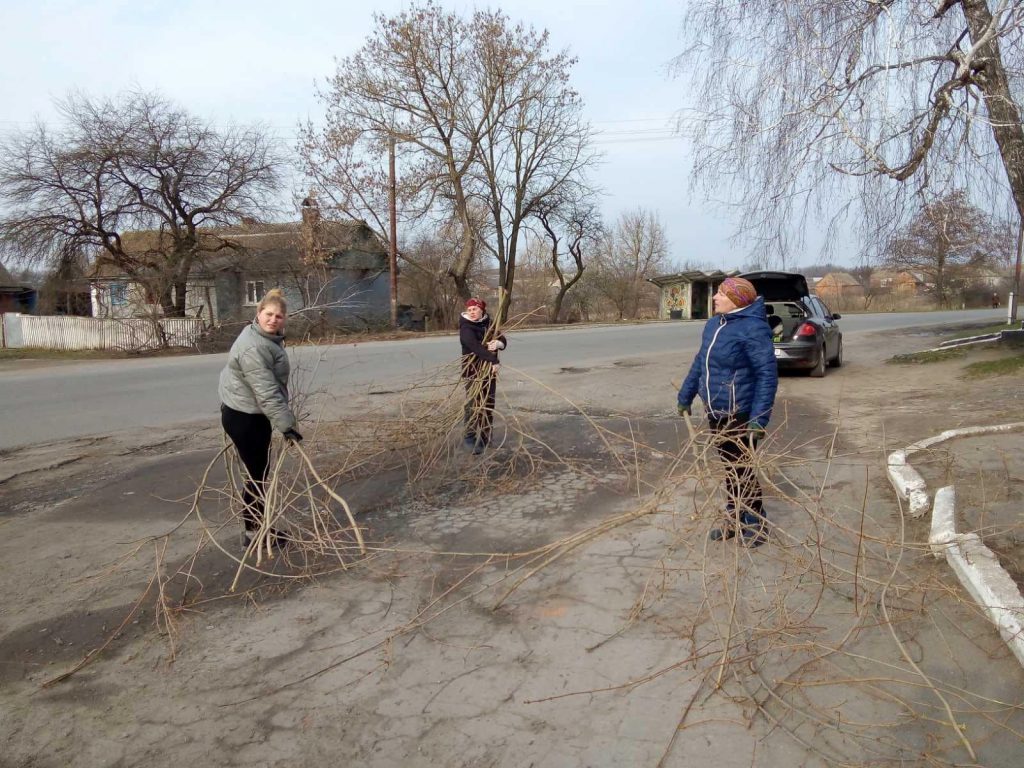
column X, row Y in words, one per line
column 261, row 61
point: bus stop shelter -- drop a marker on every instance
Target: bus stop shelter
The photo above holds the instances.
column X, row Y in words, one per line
column 687, row 295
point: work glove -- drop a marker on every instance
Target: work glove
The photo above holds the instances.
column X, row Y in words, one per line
column 292, row 436
column 682, row 410
column 755, row 434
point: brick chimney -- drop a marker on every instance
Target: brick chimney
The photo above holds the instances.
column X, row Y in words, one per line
column 312, row 230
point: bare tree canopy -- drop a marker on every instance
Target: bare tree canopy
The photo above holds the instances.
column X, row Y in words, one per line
column 572, row 229
column 809, row 105
column 483, row 118
column 947, row 242
column 134, row 163
column 635, row 251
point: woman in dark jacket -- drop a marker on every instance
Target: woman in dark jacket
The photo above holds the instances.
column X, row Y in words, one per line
column 254, row 401
column 480, row 365
column 736, row 377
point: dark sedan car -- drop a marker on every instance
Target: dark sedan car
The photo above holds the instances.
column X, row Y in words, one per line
column 805, row 331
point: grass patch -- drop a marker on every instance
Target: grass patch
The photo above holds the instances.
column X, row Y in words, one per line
column 39, row 353
column 1002, row 367
column 965, row 333
column 927, row 356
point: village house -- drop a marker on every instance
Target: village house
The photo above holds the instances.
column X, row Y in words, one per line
column 14, row 295
column 896, row 282
column 333, row 271
column 840, row 290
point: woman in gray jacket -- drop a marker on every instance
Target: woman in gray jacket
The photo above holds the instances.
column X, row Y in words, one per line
column 254, row 402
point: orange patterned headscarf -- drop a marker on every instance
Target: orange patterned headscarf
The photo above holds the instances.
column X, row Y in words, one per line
column 740, row 292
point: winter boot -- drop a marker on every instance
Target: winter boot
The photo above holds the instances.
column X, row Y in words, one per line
column 753, row 529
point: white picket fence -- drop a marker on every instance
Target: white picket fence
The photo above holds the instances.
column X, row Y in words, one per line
column 132, row 334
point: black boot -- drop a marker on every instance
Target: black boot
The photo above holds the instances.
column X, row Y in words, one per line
column 726, row 527
column 753, row 529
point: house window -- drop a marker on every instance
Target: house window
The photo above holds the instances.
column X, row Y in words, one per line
column 254, row 291
column 118, row 294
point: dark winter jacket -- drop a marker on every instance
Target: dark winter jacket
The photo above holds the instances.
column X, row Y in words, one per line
column 255, row 379
column 735, row 371
column 474, row 338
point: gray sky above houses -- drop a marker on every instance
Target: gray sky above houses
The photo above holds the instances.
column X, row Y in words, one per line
column 235, row 61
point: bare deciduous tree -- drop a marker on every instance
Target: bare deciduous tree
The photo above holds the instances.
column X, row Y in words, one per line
column 137, row 162
column 808, row 106
column 573, row 230
column 430, row 285
column 483, row 119
column 636, row 250
column 947, row 243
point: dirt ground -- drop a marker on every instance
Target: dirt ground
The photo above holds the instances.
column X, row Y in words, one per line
column 840, row 642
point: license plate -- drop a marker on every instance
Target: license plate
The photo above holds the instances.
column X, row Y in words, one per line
column 779, row 353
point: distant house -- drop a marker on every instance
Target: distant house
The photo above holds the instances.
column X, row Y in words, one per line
column 332, row 270
column 985, row 276
column 14, row 295
column 687, row 295
column 839, row 289
column 897, row 283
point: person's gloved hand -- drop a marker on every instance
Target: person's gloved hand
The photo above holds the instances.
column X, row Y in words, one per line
column 682, row 410
column 292, row 435
column 755, row 434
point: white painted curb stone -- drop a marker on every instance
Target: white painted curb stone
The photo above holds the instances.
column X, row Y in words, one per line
column 975, row 565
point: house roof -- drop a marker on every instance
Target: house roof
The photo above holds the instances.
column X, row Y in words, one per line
column 8, row 282
column 264, row 248
column 840, row 278
column 892, row 274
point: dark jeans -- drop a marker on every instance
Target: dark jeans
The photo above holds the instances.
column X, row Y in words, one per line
column 250, row 432
column 742, row 488
column 478, row 413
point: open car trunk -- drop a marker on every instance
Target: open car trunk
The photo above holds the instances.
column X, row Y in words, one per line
column 791, row 313
column 779, row 286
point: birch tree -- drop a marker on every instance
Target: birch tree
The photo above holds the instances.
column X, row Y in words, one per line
column 811, row 107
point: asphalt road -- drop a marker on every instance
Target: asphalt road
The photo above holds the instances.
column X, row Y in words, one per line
column 43, row 403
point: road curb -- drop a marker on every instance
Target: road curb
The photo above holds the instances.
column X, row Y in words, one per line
column 975, row 565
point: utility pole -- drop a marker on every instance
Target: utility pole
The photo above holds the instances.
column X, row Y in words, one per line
column 1015, row 293
column 393, row 235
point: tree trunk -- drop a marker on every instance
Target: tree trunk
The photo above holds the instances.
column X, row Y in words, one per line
column 460, row 268
column 167, row 300
column 1004, row 116
column 563, row 287
column 178, row 310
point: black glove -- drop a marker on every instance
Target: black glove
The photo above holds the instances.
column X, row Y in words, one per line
column 292, row 436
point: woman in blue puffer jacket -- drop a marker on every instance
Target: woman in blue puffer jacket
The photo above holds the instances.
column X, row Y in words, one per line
column 736, row 377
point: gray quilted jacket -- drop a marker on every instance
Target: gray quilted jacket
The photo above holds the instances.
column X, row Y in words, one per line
column 255, row 380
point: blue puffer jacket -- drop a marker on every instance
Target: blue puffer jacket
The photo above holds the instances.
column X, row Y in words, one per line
column 735, row 371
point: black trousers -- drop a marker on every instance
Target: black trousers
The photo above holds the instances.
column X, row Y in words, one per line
column 250, row 432
column 742, row 489
column 478, row 413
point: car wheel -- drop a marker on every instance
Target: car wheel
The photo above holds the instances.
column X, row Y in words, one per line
column 838, row 362
column 819, row 369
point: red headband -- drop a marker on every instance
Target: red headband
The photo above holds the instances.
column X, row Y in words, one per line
column 476, row 303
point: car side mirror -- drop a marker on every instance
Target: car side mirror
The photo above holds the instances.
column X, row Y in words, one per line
column 836, row 316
